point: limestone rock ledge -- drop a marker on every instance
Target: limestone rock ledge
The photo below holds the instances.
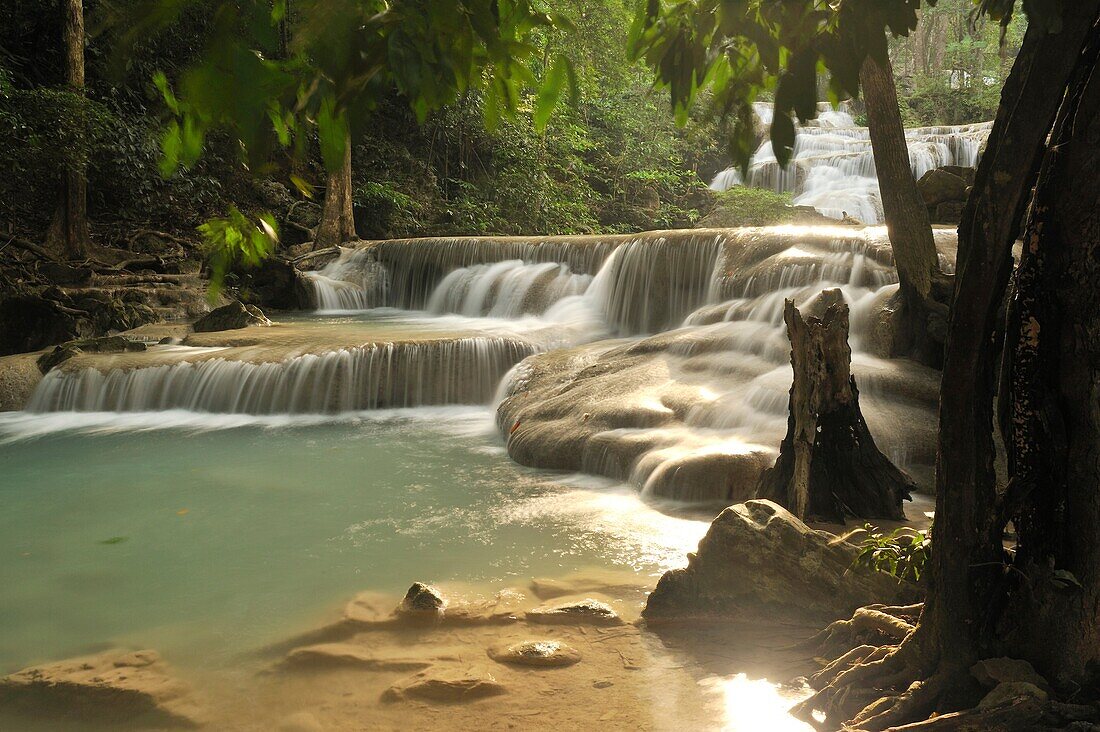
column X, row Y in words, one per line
column 131, row 688
column 758, row 556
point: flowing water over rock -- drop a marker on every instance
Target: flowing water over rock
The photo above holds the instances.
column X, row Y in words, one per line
column 833, row 170
column 688, row 404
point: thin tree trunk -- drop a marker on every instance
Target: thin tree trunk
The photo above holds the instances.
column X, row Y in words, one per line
column 906, row 215
column 337, row 219
column 68, row 230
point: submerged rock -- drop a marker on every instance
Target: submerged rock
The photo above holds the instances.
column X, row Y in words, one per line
column 233, row 316
column 536, row 653
column 588, row 611
column 132, row 688
column 329, row 655
column 758, row 555
column 444, row 686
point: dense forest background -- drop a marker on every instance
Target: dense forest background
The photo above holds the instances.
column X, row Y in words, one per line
column 613, row 162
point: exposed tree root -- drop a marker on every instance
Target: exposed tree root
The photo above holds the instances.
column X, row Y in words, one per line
column 884, row 679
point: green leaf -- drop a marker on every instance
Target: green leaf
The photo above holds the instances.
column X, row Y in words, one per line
column 550, row 92
column 170, row 145
column 332, row 131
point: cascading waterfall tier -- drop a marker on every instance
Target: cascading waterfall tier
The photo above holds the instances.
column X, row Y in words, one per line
column 696, row 412
column 634, row 284
column 832, row 167
column 387, row 375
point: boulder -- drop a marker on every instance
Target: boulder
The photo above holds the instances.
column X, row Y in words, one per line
column 233, row 316
column 583, row 612
column 948, row 212
column 993, row 671
column 19, row 375
column 103, row 344
column 276, row 283
column 422, row 600
column 757, row 555
column 131, row 688
column 964, row 172
column 1009, row 691
column 29, row 322
column 444, row 686
column 550, row 653
column 938, row 186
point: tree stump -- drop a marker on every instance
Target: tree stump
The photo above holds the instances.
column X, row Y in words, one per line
column 829, row 466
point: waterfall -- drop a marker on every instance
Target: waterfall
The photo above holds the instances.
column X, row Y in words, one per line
column 508, row 289
column 832, row 167
column 454, row 371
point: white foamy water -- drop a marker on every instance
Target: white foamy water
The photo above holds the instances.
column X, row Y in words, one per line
column 832, row 167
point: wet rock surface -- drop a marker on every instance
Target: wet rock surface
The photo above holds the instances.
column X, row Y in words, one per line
column 587, row 611
column 134, row 688
column 422, row 600
column 445, row 686
column 757, row 555
column 536, row 653
column 234, row 316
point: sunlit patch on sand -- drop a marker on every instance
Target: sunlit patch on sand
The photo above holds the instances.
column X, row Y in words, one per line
column 755, row 705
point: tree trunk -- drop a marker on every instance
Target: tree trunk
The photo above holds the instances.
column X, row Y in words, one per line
column 68, row 232
column 1053, row 418
column 967, row 559
column 829, row 466
column 906, row 219
column 337, row 220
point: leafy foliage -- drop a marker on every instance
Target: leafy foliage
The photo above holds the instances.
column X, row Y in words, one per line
column 235, row 241
column 743, row 206
column 903, row 552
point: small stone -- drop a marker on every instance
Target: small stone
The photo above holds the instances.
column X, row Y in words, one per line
column 993, row 671
column 1009, row 691
column 536, row 653
column 588, row 611
column 422, row 599
column 300, row 722
column 602, row 684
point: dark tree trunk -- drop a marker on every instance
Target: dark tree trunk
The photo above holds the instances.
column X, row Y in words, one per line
column 967, row 559
column 829, row 466
column 337, row 218
column 1046, row 608
column 1052, row 417
column 68, row 232
column 906, row 219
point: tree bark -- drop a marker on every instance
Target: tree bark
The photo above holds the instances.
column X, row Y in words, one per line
column 829, row 466
column 906, row 218
column 337, row 219
column 967, row 560
column 68, row 231
column 1053, row 418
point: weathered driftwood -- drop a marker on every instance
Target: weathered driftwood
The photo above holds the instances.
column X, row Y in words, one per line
column 829, row 466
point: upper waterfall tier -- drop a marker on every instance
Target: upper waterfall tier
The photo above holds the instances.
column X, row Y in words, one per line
column 833, row 170
column 610, row 285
